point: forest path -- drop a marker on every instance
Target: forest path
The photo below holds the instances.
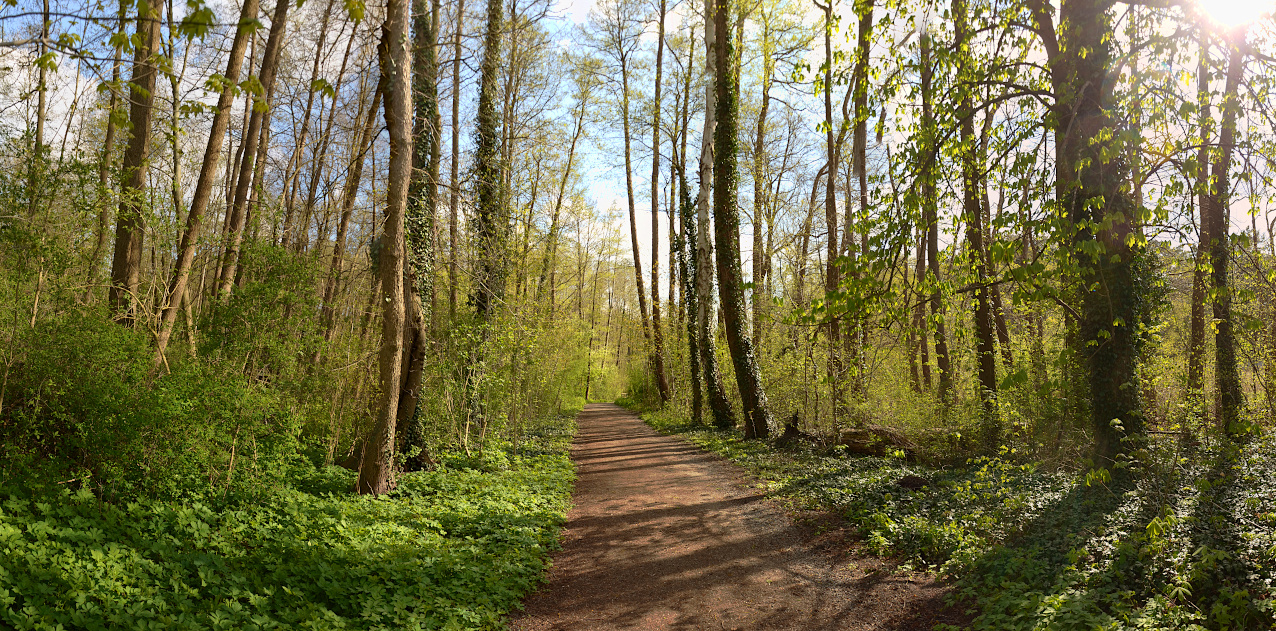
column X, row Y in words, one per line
column 666, row 536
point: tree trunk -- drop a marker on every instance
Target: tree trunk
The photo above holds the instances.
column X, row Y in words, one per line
column 723, row 416
column 985, row 344
column 348, row 194
column 207, row 177
column 376, row 471
column 247, row 170
column 1093, row 191
column 294, row 165
column 859, row 154
column 319, row 159
column 831, row 272
column 490, row 221
column 930, row 211
column 1226, row 372
column 760, row 187
column 584, row 89
column 1196, row 335
column 657, row 336
column 454, row 194
column 726, row 221
column 130, row 224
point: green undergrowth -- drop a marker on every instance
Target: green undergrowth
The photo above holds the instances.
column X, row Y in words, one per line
column 453, row 548
column 1184, row 538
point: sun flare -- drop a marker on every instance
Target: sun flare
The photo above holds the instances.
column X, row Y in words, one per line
column 1233, row 13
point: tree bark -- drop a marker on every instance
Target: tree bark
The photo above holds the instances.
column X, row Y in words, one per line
column 454, row 243
column 130, row 224
column 104, row 167
column 985, row 344
column 1226, row 373
column 490, row 221
column 657, row 336
column 1196, row 334
column 376, row 471
column 930, row 212
column 726, row 220
column 348, row 194
column 706, row 318
column 1092, row 177
column 294, row 166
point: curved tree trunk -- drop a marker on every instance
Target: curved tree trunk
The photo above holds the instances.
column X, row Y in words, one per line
column 207, row 177
column 247, row 171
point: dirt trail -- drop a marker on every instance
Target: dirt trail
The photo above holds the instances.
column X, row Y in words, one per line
column 666, row 536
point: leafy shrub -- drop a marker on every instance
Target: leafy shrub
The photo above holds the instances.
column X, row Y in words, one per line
column 85, row 408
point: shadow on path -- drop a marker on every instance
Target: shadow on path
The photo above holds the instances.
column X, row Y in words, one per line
column 665, row 536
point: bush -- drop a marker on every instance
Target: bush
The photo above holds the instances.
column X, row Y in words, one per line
column 84, row 409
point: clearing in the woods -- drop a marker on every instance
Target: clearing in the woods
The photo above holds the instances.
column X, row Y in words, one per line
column 666, row 536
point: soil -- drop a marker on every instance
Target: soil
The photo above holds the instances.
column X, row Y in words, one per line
column 666, row 536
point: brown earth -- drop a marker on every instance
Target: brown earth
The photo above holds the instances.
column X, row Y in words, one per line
column 666, row 536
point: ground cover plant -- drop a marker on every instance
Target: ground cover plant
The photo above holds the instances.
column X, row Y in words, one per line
column 451, row 548
column 1183, row 538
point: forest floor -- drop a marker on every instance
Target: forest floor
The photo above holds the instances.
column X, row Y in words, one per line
column 666, row 536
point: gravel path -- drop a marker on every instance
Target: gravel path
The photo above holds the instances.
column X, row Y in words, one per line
column 666, row 536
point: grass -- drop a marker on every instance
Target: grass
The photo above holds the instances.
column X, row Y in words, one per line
column 1184, row 538
column 453, row 548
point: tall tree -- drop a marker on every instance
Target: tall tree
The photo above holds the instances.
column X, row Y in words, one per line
column 657, row 336
column 1092, row 188
column 108, row 159
column 972, row 210
column 454, row 200
column 491, row 222
column 706, row 318
column 130, row 222
column 726, row 230
column 930, row 215
column 376, row 471
column 1217, row 209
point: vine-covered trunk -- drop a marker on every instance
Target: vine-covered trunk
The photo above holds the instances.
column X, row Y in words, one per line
column 726, row 231
column 723, row 416
column 1226, row 372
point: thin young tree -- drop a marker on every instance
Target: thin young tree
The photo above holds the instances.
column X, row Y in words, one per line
column 245, row 29
column 657, row 336
column 237, row 219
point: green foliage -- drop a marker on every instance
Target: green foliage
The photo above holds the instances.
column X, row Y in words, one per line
column 454, row 548
column 83, row 407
